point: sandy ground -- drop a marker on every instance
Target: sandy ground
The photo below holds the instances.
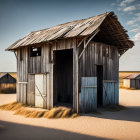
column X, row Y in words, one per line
column 124, row 124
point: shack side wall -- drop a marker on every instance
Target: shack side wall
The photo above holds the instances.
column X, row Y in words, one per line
column 29, row 66
column 8, row 87
column 126, row 83
column 99, row 54
column 22, row 75
column 135, row 83
column 107, row 56
column 94, row 55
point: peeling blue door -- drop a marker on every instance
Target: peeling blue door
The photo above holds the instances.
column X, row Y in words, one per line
column 88, row 95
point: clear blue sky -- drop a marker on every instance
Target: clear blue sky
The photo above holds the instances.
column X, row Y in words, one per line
column 19, row 17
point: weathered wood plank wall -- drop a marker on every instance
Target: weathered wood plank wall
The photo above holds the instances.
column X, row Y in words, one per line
column 95, row 54
column 35, row 65
column 8, row 87
column 99, row 54
column 31, row 90
column 22, row 75
column 134, row 83
column 107, row 56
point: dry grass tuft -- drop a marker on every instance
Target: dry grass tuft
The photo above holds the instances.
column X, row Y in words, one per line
column 12, row 106
column 22, row 111
column 67, row 113
column 74, row 115
column 53, row 113
column 35, row 114
column 57, row 112
column 127, row 88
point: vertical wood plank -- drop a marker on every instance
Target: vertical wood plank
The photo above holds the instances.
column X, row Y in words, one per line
column 75, row 78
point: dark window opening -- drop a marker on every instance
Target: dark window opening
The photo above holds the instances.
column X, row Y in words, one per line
column 21, row 55
column 35, row 51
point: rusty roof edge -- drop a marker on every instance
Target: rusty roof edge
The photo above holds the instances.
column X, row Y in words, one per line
column 130, row 76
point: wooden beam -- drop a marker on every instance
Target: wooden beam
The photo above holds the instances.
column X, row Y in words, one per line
column 123, row 48
column 75, row 78
column 85, row 45
column 80, row 42
column 15, row 52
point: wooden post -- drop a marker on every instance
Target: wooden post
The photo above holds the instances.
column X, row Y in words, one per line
column 86, row 44
column 75, row 78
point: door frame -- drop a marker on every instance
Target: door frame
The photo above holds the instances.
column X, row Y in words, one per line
column 54, row 57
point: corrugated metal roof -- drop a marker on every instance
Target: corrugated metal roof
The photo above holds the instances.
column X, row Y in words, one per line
column 133, row 76
column 77, row 28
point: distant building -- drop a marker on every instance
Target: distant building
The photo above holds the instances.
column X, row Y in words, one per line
column 132, row 81
column 75, row 63
column 7, row 83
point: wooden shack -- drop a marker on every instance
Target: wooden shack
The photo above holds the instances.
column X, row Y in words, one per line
column 75, row 64
column 132, row 81
column 7, row 83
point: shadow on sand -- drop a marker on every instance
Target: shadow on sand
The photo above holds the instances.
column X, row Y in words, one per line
column 14, row 131
column 131, row 113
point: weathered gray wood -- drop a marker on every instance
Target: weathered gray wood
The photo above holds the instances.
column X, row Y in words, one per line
column 75, row 78
column 137, row 83
column 31, row 90
column 95, row 54
column 22, row 75
column 50, row 95
column 85, row 45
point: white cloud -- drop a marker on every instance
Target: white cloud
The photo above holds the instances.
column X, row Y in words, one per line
column 135, row 30
column 134, row 20
column 135, row 25
column 124, row 2
column 137, row 37
column 131, row 22
column 129, row 8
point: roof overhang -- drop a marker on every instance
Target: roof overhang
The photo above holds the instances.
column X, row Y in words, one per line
column 108, row 24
